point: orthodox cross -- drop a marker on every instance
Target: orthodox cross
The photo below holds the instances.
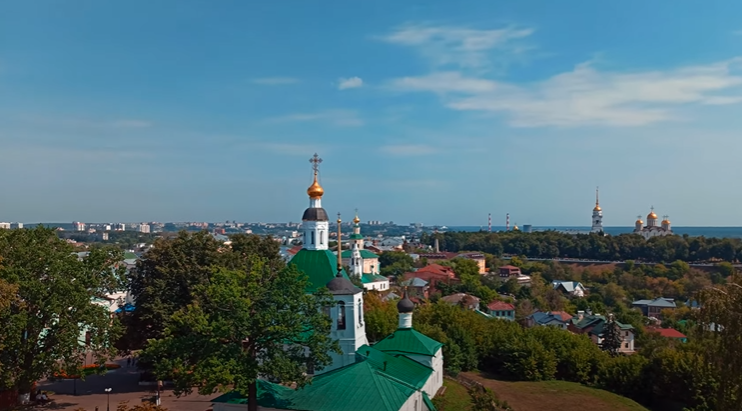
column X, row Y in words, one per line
column 638, row 217
column 652, row 208
column 315, row 160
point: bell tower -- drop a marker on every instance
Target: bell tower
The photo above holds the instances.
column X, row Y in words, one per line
column 597, row 225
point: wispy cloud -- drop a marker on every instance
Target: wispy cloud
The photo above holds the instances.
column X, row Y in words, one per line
column 459, row 46
column 291, row 149
column 587, row 96
column 340, row 118
column 407, row 150
column 275, row 81
column 351, row 82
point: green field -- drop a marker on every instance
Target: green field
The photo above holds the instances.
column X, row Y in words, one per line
column 538, row 396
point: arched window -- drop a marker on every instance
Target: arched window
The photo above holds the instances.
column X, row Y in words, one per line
column 341, row 315
column 312, row 237
column 360, row 313
column 321, row 237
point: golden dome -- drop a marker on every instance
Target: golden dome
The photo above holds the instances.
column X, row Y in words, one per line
column 651, row 216
column 665, row 221
column 515, row 228
column 640, row 222
column 597, row 208
column 356, row 220
column 315, row 191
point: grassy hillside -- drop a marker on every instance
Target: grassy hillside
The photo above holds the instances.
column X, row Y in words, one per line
column 547, row 395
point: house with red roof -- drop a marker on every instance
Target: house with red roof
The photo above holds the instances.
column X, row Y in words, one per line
column 502, row 310
column 670, row 333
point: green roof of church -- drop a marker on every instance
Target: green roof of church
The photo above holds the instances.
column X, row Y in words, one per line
column 372, row 278
column 356, row 236
column 358, row 387
column 399, row 366
column 364, row 254
column 408, row 341
column 319, row 265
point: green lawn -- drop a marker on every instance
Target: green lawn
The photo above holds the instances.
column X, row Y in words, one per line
column 556, row 395
column 456, row 397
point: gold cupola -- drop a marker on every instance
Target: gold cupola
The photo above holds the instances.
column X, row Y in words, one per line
column 597, row 201
column 356, row 220
column 651, row 216
column 315, row 191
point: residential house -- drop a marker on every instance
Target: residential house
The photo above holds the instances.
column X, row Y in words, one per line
column 501, row 310
column 479, row 258
column 653, row 308
column 467, row 301
column 433, row 274
column 510, row 271
column 445, row 255
column 570, row 288
column 375, row 282
column 670, row 333
column 417, row 287
column 558, row 319
column 594, row 327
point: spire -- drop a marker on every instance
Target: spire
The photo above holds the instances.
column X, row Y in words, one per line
column 340, row 246
column 597, row 200
column 356, row 220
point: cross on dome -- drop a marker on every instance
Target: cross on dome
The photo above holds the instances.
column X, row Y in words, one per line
column 315, row 191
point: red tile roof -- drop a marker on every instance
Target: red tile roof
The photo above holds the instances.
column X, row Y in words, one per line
column 293, row 250
column 438, row 270
column 563, row 315
column 667, row 332
column 510, row 267
column 500, row 306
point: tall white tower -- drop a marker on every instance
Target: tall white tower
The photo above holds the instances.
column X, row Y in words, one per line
column 356, row 262
column 315, row 224
column 597, row 226
column 348, row 327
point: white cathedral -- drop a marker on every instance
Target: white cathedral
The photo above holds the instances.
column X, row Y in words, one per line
column 403, row 371
column 652, row 229
column 597, row 226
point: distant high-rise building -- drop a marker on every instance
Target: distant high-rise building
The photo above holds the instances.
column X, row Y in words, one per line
column 144, row 228
column 5, row 225
column 104, row 236
column 120, row 227
column 16, row 226
column 78, row 226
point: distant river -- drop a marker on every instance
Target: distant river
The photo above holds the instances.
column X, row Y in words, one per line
column 721, row 232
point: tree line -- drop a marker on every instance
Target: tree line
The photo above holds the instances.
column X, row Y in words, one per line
column 553, row 244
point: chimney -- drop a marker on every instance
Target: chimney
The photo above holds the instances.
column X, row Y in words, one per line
column 436, row 246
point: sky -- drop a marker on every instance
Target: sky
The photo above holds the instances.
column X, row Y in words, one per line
column 425, row 111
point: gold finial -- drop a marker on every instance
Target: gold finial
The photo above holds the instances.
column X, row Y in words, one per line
column 339, row 220
column 651, row 215
column 597, row 201
column 315, row 191
column 356, row 220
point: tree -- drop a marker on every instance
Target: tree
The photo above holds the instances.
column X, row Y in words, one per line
column 484, row 399
column 611, row 336
column 243, row 324
column 381, row 317
column 164, row 280
column 719, row 332
column 45, row 324
column 395, row 263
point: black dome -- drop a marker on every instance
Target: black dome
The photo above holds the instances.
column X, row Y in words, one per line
column 315, row 214
column 405, row 306
column 342, row 286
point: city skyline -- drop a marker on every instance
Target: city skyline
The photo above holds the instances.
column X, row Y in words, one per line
column 428, row 112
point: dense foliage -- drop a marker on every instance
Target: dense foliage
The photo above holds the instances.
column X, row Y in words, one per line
column 47, row 306
column 553, row 244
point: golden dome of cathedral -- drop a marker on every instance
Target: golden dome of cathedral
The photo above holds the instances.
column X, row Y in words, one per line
column 651, row 216
column 597, row 208
column 356, row 220
column 665, row 221
column 639, row 222
column 315, row 191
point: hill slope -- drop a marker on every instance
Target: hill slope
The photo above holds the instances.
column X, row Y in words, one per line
column 556, row 395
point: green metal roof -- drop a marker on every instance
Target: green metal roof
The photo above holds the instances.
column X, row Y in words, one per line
column 357, row 387
column 408, row 341
column 319, row 265
column 428, row 402
column 401, row 367
column 364, row 254
column 598, row 323
column 372, row 278
column 130, row 256
column 356, row 237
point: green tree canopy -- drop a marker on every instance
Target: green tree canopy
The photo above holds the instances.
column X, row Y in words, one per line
column 242, row 324
column 45, row 323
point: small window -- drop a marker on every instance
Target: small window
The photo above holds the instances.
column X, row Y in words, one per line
column 312, row 237
column 321, row 237
column 341, row 315
column 87, row 338
column 360, row 313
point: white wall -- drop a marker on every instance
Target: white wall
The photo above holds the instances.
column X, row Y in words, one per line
column 354, row 334
column 435, row 381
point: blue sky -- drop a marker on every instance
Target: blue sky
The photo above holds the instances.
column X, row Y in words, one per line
column 432, row 111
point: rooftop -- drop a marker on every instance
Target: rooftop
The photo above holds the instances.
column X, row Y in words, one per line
column 408, row 341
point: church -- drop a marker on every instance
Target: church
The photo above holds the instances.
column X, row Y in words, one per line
column 401, row 372
column 652, row 229
column 363, row 263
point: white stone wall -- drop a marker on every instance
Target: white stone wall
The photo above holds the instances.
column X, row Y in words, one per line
column 315, row 235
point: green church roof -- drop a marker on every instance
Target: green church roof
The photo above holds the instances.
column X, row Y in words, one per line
column 364, row 254
column 356, row 237
column 319, row 265
column 357, row 387
column 408, row 341
column 401, row 367
column 372, row 278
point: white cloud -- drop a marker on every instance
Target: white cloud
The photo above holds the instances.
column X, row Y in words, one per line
column 463, row 47
column 737, row 32
column 408, row 150
column 587, row 96
column 291, row 149
column 340, row 118
column 275, row 81
column 351, row 82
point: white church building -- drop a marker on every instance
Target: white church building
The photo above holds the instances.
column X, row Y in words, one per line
column 401, row 372
column 652, row 229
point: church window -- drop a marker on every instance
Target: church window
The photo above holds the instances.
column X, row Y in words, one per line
column 341, row 315
column 360, row 313
column 312, row 237
column 321, row 237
